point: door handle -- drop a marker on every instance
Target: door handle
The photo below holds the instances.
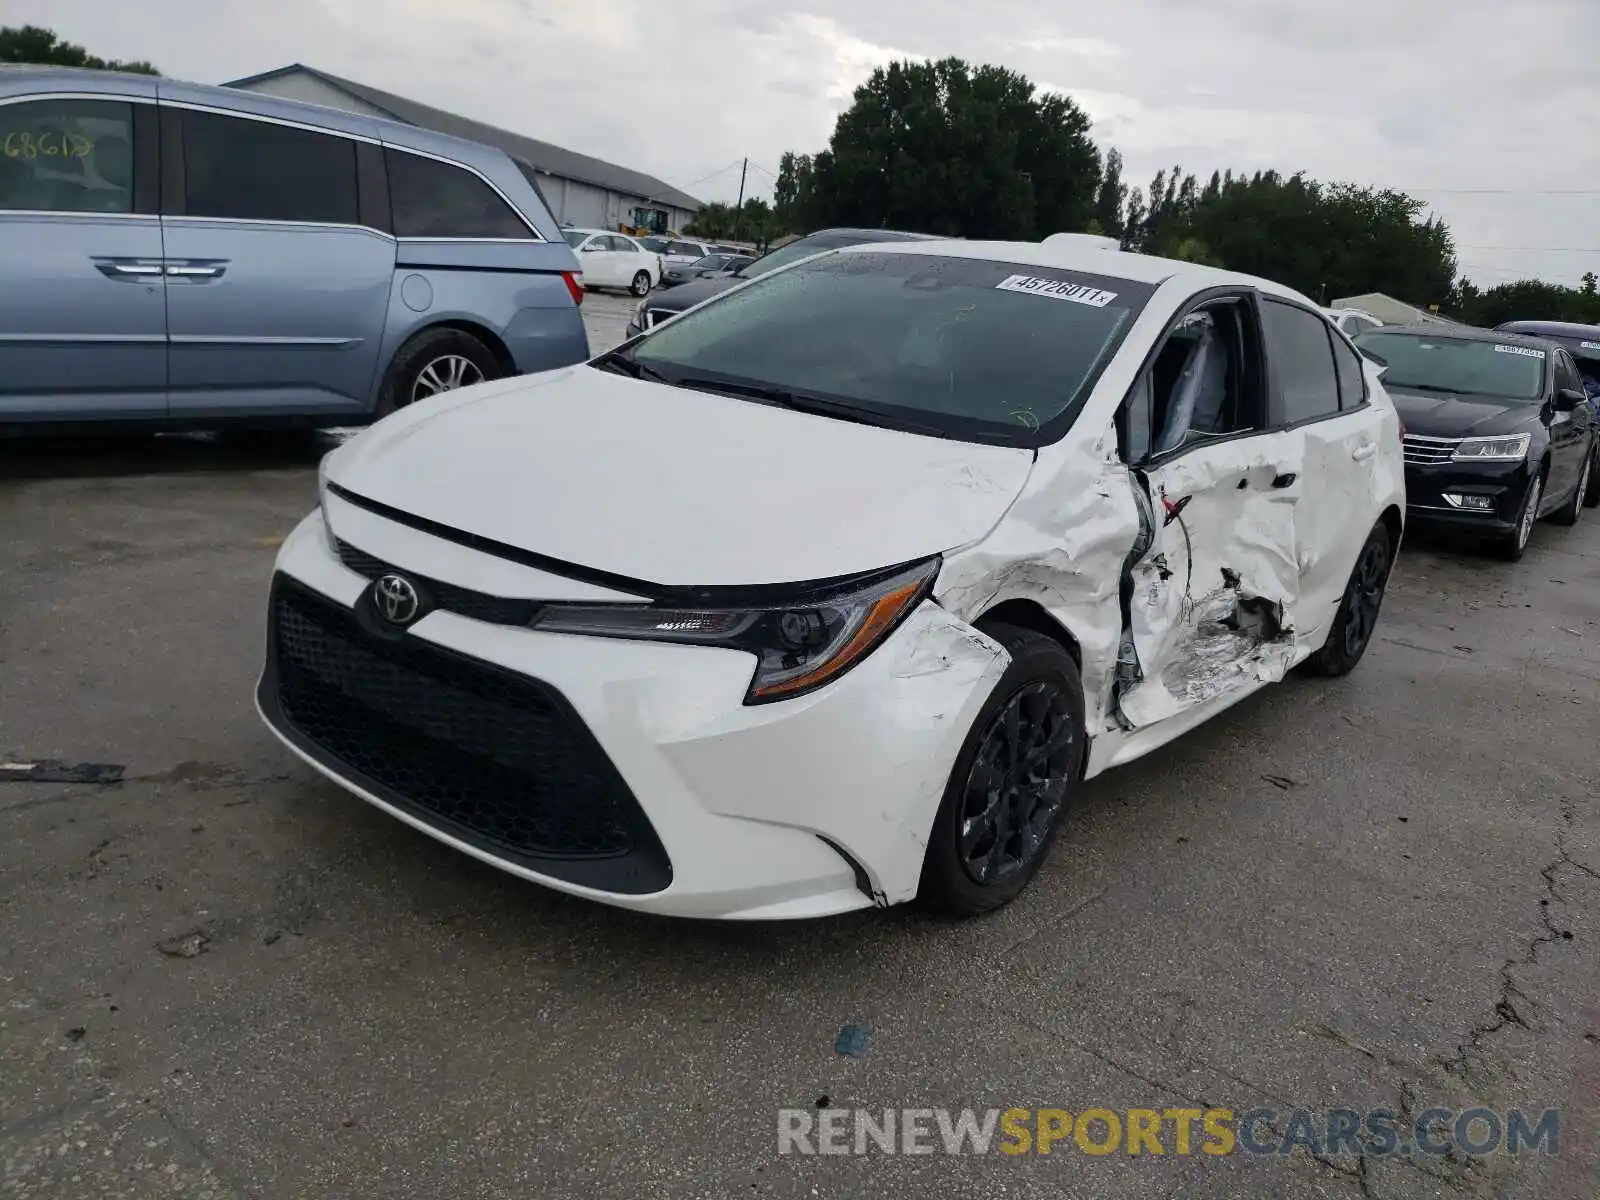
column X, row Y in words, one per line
column 113, row 268
column 1364, row 451
column 1284, row 480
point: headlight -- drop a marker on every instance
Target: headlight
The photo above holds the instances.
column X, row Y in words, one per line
column 1494, row 449
column 798, row 646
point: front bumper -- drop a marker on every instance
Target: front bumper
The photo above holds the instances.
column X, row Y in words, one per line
column 811, row 806
column 1506, row 485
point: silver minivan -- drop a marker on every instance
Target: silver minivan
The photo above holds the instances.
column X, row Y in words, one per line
column 178, row 255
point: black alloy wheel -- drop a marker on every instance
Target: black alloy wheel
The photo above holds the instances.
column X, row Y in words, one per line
column 1012, row 782
column 1017, row 783
column 1357, row 617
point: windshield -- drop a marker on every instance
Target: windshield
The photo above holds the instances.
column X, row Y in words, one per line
column 654, row 244
column 575, row 237
column 1446, row 364
column 967, row 348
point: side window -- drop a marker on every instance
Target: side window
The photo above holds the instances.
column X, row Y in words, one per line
column 1352, row 386
column 433, row 199
column 1300, row 347
column 1203, row 383
column 1566, row 373
column 618, row 243
column 258, row 171
column 67, row 156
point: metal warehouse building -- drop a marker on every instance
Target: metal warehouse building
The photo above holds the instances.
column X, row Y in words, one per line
column 581, row 190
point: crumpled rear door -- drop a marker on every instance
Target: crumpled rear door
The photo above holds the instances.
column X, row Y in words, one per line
column 1214, row 596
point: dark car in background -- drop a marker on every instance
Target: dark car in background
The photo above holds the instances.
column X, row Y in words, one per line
column 711, row 265
column 1580, row 341
column 657, row 308
column 1499, row 432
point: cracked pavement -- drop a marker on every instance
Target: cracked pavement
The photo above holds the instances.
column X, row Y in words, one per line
column 226, row 978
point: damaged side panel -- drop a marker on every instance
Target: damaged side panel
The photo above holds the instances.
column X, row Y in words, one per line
column 1213, row 600
column 1063, row 546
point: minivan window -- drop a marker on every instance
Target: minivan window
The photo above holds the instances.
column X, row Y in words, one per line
column 433, row 199
column 260, row 171
column 965, row 348
column 67, row 156
column 1437, row 363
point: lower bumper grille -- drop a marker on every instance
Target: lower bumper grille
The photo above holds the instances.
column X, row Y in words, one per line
column 498, row 760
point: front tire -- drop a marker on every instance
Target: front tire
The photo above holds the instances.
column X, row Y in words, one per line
column 641, row 284
column 1009, row 790
column 433, row 362
column 1514, row 545
column 1357, row 617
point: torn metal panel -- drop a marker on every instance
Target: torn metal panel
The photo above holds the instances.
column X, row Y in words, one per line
column 1214, row 599
column 1062, row 545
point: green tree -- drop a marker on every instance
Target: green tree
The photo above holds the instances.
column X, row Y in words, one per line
column 793, row 189
column 1526, row 300
column 714, row 220
column 34, row 44
column 948, row 148
column 1111, row 200
column 1326, row 240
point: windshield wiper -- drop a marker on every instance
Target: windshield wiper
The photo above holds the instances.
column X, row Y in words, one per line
column 1428, row 387
column 783, row 397
column 619, row 364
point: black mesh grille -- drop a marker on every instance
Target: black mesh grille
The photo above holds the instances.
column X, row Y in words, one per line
column 480, row 606
column 494, row 758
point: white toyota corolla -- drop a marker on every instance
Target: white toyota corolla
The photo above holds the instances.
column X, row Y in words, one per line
column 829, row 592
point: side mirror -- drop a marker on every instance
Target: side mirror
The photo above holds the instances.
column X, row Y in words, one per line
column 1570, row 400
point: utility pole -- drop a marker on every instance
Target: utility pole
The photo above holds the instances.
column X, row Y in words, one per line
column 738, row 213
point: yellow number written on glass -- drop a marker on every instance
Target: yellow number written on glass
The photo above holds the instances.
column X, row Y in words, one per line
column 46, row 144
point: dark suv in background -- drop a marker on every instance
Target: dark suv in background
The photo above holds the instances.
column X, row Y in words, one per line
column 657, row 308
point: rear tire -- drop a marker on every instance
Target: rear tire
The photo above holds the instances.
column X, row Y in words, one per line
column 1012, row 782
column 437, row 355
column 641, row 284
column 1569, row 512
column 1357, row 617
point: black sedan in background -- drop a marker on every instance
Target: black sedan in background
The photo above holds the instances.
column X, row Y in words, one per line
column 705, row 268
column 658, row 307
column 1499, row 431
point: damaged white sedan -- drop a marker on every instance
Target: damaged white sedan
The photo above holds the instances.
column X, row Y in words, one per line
column 830, row 592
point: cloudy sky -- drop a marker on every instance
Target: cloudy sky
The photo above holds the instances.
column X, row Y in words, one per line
column 1486, row 115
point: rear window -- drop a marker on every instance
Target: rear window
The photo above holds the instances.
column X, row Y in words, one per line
column 434, row 199
column 1429, row 362
column 967, row 348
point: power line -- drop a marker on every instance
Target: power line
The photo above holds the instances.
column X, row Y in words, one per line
column 1502, row 191
column 1536, row 249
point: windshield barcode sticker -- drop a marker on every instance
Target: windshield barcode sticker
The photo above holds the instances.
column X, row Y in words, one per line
column 1590, row 345
column 1056, row 289
column 1525, row 351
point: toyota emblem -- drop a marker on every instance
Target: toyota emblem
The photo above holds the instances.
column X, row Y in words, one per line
column 396, row 599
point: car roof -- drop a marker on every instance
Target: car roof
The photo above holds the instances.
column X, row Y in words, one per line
column 1119, row 264
column 1465, row 333
column 1551, row 328
column 873, row 235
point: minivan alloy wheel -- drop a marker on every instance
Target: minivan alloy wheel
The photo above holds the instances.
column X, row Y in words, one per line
column 1017, row 783
column 445, row 374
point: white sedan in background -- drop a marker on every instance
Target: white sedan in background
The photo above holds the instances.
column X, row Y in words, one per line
column 614, row 260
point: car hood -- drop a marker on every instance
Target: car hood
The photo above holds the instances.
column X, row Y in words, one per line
column 1436, row 414
column 677, row 487
column 689, row 294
